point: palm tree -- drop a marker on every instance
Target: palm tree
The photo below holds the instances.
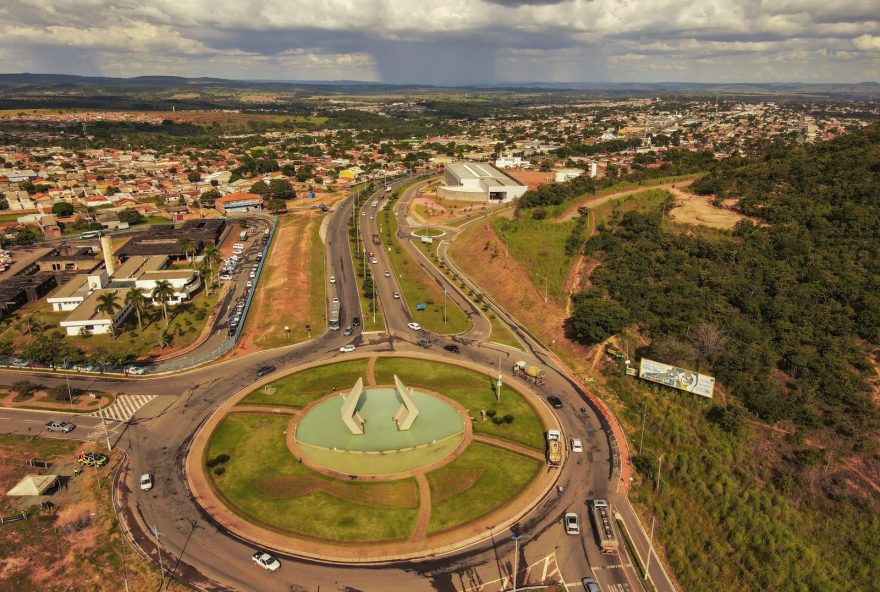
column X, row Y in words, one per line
column 163, row 292
column 211, row 255
column 138, row 301
column 187, row 245
column 108, row 303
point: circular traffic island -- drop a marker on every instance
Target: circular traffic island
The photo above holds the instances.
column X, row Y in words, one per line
column 372, row 458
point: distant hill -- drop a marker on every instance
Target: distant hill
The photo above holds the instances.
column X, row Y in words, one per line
column 35, row 82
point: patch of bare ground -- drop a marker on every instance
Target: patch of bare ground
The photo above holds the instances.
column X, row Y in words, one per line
column 480, row 254
column 697, row 209
column 593, row 201
column 283, row 292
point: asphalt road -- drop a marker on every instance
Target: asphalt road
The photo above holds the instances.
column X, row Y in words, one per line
column 196, row 551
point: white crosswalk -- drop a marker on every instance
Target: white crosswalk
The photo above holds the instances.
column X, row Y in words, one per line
column 124, row 407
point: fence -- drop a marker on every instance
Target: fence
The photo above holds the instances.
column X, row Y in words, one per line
column 14, row 518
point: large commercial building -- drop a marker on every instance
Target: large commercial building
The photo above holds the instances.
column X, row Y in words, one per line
column 479, row 181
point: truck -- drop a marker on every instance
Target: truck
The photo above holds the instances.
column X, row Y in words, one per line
column 554, row 448
column 602, row 521
column 376, row 240
column 528, row 372
column 242, row 236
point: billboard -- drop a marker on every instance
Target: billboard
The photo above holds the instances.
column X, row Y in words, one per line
column 677, row 378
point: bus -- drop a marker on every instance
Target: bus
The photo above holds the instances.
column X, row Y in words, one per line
column 335, row 314
column 90, row 234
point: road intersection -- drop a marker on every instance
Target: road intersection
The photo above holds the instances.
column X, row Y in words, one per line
column 156, row 437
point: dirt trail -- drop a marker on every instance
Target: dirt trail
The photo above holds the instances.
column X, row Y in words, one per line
column 593, row 201
column 698, row 209
column 424, row 519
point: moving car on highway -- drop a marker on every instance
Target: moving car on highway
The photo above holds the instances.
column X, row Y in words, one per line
column 264, row 370
column 572, row 524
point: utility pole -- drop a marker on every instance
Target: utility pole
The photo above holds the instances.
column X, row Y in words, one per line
column 106, row 433
column 659, row 464
column 67, row 380
column 498, row 383
column 444, row 305
column 373, row 283
column 642, row 436
column 516, row 540
column 650, row 548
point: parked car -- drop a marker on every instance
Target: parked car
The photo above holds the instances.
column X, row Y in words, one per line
column 577, row 445
column 414, row 326
column 347, row 331
column 249, row 284
column 425, row 342
column 451, row 347
column 572, row 524
column 264, row 370
column 555, row 401
column 225, row 277
column 347, row 349
column 591, row 585
column 20, row 363
column 60, row 426
column 356, row 321
column 266, row 561
column 146, row 482
column 136, row 370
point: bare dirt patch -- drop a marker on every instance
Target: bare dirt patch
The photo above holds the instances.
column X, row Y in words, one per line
column 284, row 293
column 698, row 209
column 510, row 285
column 428, row 208
column 532, row 179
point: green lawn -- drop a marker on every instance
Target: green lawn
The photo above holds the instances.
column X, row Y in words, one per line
column 480, row 480
column 501, row 334
column 265, row 483
column 417, row 287
column 472, row 390
column 300, row 389
column 185, row 325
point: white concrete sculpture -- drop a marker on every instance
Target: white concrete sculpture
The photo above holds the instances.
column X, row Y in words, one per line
column 408, row 412
column 350, row 414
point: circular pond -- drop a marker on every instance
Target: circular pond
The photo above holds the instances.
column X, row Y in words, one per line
column 325, row 440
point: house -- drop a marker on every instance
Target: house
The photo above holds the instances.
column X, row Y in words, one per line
column 86, row 319
column 239, row 202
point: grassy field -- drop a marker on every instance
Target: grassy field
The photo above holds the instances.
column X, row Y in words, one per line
column 300, row 389
column 501, row 334
column 721, row 512
column 184, row 326
column 79, row 543
column 417, row 287
column 540, row 246
column 291, row 290
column 475, row 483
column 472, row 390
column 265, row 483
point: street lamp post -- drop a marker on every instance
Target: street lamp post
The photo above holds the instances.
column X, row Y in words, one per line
column 650, row 549
column 157, row 534
column 659, row 464
column 444, row 305
column 516, row 539
column 642, row 436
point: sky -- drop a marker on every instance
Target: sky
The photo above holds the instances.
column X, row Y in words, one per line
column 448, row 42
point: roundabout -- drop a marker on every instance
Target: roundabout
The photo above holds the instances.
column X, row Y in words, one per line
column 423, row 460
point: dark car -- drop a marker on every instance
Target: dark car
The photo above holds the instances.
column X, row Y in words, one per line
column 451, row 348
column 356, row 321
column 264, row 370
column 555, row 401
column 425, row 342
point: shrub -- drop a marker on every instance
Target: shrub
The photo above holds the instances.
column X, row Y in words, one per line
column 219, row 471
column 24, row 388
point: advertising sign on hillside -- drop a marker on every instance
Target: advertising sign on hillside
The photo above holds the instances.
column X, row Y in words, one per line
column 677, row 378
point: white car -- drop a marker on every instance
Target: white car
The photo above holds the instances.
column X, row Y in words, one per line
column 576, row 445
column 146, row 482
column 347, row 349
column 396, row 295
column 136, row 370
column 332, row 279
column 572, row 524
column 414, row 326
column 374, row 261
column 387, row 273
column 249, row 284
column 375, row 203
column 363, row 213
column 266, row 561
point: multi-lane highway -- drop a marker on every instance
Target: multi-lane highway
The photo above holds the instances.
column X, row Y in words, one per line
column 205, row 556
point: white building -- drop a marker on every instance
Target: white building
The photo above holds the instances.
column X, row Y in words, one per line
column 509, row 162
column 478, row 181
column 563, row 175
column 87, row 320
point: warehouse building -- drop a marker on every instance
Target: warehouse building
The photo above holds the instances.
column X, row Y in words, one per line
column 479, row 181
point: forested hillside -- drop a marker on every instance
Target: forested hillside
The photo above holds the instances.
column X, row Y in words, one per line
column 777, row 483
